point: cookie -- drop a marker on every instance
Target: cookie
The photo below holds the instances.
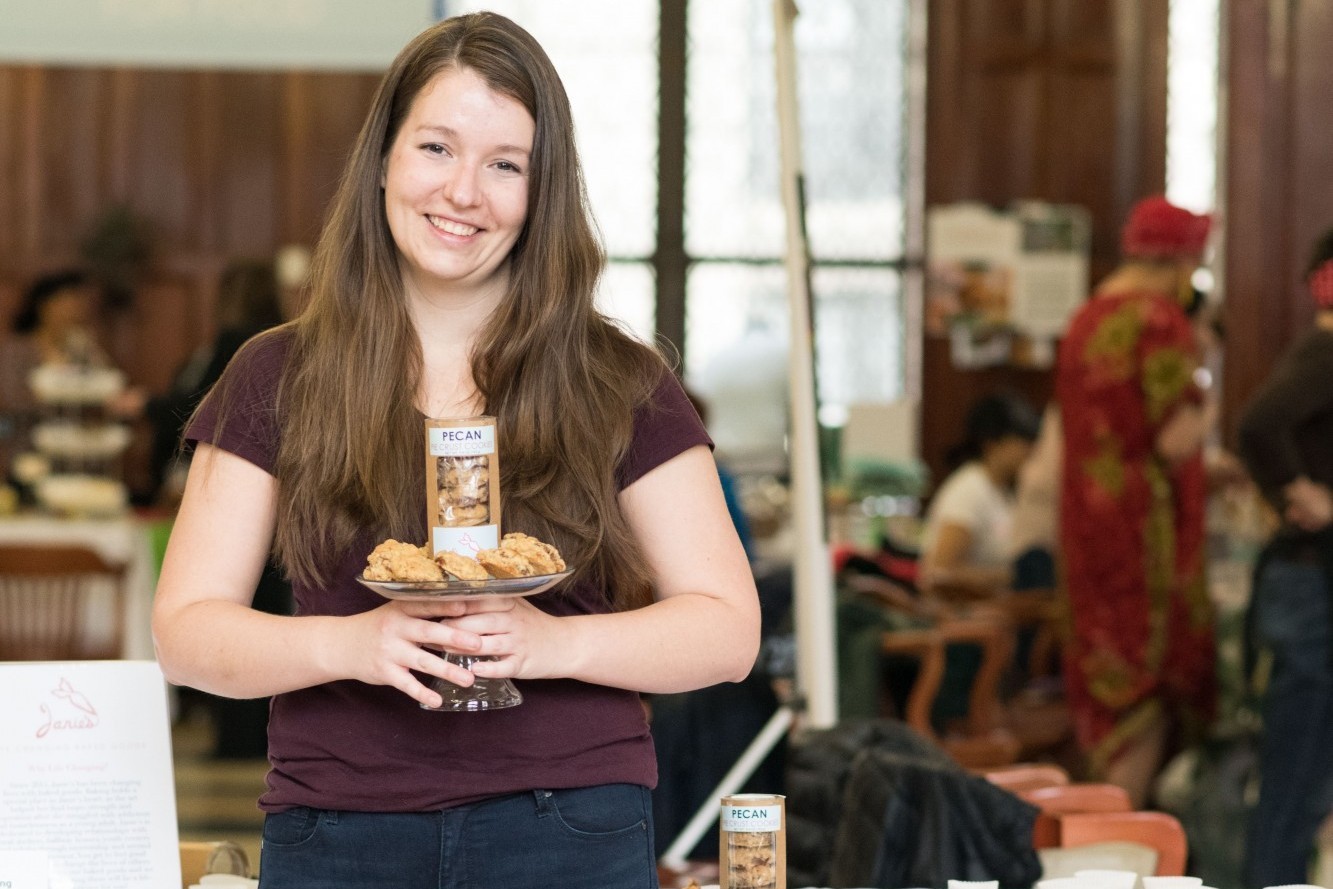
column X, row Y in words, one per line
column 542, row 556
column 460, row 566
column 505, row 563
column 464, row 494
column 394, row 560
column 752, row 867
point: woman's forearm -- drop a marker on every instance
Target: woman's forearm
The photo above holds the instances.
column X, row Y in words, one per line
column 682, row 644
column 234, row 651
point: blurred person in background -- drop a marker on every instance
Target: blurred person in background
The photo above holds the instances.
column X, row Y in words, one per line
column 53, row 326
column 966, row 542
column 730, row 488
column 967, row 538
column 1286, row 442
column 1139, row 661
column 248, row 302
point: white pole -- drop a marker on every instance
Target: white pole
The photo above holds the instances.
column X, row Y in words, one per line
column 816, row 662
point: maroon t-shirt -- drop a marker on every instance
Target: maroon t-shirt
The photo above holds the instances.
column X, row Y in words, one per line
column 352, row 746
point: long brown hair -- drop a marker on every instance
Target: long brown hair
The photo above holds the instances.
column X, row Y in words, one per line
column 563, row 381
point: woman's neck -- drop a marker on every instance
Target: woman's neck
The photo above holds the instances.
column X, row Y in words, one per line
column 996, row 474
column 448, row 329
column 1138, row 277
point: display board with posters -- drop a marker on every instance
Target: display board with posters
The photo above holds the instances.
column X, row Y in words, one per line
column 1002, row 284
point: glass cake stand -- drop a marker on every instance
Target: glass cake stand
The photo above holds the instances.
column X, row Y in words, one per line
column 483, row 694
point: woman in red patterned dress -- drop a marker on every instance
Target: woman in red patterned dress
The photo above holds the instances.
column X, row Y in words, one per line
column 1140, row 649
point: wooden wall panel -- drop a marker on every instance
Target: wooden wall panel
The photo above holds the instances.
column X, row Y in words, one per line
column 247, row 190
column 220, row 165
column 71, row 125
column 10, row 155
column 165, row 119
column 1053, row 100
column 318, row 106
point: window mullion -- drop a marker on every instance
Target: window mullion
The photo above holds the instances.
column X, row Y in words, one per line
column 669, row 261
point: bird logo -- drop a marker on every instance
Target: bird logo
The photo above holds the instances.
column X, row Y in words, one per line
column 67, row 692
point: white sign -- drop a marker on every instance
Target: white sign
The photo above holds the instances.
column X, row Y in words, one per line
column 1051, row 274
column 306, row 34
column 751, row 819
column 24, row 870
column 86, row 775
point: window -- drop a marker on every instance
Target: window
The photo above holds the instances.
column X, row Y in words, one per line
column 852, row 89
column 1192, row 100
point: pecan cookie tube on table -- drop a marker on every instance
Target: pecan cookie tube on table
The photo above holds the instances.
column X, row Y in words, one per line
column 753, row 847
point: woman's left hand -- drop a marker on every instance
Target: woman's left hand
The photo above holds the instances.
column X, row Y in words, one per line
column 526, row 642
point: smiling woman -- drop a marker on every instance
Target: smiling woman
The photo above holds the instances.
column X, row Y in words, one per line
column 455, row 277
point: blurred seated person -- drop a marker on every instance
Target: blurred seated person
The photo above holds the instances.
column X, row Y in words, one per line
column 248, row 302
column 730, row 491
column 966, row 542
column 966, row 553
column 53, row 326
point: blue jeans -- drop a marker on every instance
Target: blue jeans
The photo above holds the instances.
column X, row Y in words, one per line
column 1296, row 753
column 587, row 838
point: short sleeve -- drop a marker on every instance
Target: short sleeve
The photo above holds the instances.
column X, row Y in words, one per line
column 239, row 414
column 664, row 427
column 960, row 501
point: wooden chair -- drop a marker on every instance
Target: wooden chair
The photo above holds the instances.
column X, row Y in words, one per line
column 45, row 597
column 217, row 857
column 1021, row 778
column 981, row 741
column 1157, row 830
column 1064, row 799
column 999, row 728
column 1035, row 711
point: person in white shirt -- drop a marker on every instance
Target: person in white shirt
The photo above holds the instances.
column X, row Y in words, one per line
column 966, row 545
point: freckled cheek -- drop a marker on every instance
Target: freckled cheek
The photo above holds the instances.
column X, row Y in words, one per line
column 417, row 185
column 516, row 208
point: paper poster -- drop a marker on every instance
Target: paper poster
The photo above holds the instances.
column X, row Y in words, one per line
column 970, row 272
column 1051, row 273
column 86, row 773
column 1002, row 283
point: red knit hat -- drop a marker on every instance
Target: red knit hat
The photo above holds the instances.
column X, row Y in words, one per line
column 1158, row 229
column 1320, row 282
